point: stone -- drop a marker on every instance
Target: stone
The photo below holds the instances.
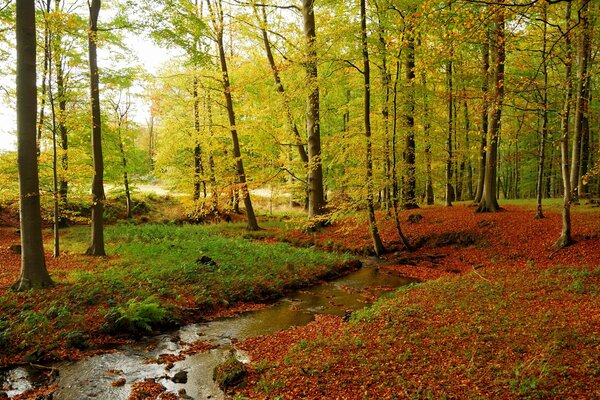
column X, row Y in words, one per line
column 180, row 377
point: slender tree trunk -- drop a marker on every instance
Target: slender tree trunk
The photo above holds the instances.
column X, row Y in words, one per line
column 55, row 194
column 585, row 141
column 485, row 66
column 395, row 189
column 465, row 165
column 316, row 205
column 541, row 158
column 198, row 166
column 489, row 200
column 45, row 74
column 565, row 238
column 385, row 112
column 211, row 159
column 122, row 120
column 427, row 134
column 217, row 17
column 582, row 106
column 449, row 196
column 291, row 125
column 96, row 247
column 33, row 263
column 62, row 130
column 377, row 243
column 466, row 158
column 409, row 200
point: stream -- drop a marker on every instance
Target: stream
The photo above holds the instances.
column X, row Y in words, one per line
column 92, row 378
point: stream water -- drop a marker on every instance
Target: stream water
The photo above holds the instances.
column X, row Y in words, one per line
column 92, row 378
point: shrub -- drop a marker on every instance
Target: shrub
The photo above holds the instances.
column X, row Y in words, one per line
column 135, row 316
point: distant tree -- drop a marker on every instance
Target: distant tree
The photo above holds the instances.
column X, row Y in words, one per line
column 33, row 264
column 96, row 247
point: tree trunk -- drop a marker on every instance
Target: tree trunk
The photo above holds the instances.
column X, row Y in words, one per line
column 541, row 158
column 217, row 18
column 466, row 161
column 122, row 119
column 385, row 112
column 96, row 247
column 409, row 200
column 198, row 167
column 449, row 196
column 33, row 262
column 45, row 74
column 377, row 243
column 292, row 127
column 427, row 134
column 489, row 201
column 565, row 238
column 582, row 106
column 485, row 66
column 316, row 205
column 585, row 142
column 62, row 130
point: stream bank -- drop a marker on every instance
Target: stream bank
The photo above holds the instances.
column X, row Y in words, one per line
column 111, row 376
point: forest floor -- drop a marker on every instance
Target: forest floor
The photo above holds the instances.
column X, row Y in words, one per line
column 502, row 314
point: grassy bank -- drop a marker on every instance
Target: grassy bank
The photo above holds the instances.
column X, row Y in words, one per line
column 501, row 316
column 498, row 333
column 155, row 276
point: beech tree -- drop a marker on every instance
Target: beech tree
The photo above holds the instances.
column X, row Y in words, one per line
column 217, row 18
column 96, row 247
column 316, row 193
column 377, row 243
column 489, row 201
column 33, row 264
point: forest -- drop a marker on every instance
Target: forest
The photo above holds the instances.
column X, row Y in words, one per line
column 379, row 199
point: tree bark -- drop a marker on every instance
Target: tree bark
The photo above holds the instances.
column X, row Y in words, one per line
column 409, row 200
column 198, row 166
column 427, row 134
column 377, row 243
column 217, row 18
column 449, row 196
column 565, row 238
column 316, row 204
column 544, row 134
column 582, row 106
column 485, row 67
column 33, row 263
column 489, row 201
column 96, row 247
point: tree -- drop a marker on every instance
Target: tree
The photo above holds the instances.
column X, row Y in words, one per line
column 377, row 243
column 565, row 238
column 540, row 173
column 33, row 264
column 582, row 105
column 217, row 18
column 316, row 195
column 409, row 200
column 489, row 201
column 96, row 247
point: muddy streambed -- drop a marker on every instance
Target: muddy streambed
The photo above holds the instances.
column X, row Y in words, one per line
column 93, row 377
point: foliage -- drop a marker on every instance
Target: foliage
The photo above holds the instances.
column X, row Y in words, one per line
column 136, row 316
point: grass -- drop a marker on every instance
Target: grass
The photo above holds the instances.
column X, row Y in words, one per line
column 468, row 338
column 152, row 278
